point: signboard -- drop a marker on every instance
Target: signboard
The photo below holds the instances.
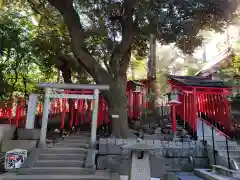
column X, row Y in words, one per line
column 15, row 158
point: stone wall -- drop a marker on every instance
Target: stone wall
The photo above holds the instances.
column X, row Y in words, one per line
column 168, row 156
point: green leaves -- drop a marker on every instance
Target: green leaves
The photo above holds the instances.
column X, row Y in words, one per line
column 20, row 56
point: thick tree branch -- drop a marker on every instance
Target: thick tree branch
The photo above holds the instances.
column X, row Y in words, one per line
column 127, row 36
column 76, row 31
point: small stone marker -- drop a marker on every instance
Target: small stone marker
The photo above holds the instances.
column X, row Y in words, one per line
column 15, row 158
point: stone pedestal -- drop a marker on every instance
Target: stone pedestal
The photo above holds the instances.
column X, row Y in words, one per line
column 140, row 165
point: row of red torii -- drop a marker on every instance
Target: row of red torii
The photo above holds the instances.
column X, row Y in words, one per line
column 13, row 111
column 195, row 99
column 52, row 92
column 198, row 96
column 136, row 95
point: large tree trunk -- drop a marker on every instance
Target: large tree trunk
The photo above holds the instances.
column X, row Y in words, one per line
column 117, row 103
column 66, row 73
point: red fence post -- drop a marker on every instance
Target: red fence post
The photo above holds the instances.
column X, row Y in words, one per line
column 173, row 106
column 228, row 123
column 194, row 114
column 64, row 103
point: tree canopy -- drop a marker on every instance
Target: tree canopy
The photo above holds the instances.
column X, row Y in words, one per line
column 98, row 36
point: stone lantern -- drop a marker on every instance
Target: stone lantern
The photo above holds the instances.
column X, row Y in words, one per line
column 173, row 97
column 173, row 100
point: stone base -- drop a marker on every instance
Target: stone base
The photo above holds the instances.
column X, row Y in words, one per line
column 7, row 131
column 158, row 165
column 28, row 134
column 8, row 145
column 168, row 156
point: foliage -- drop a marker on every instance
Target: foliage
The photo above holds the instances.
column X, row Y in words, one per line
column 103, row 34
column 20, row 64
column 30, row 50
column 137, row 69
column 191, row 71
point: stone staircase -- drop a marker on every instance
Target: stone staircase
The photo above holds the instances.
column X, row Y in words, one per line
column 222, row 153
column 220, row 146
column 162, row 130
column 68, row 159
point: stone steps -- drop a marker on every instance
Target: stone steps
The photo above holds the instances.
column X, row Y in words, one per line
column 232, row 153
column 208, row 174
column 187, row 176
column 56, row 177
column 62, row 156
column 76, row 141
column 59, row 163
column 222, row 143
column 166, row 129
column 55, row 171
column 101, row 175
column 80, row 137
column 72, row 145
column 66, row 160
column 64, row 150
column 224, row 147
column 221, row 147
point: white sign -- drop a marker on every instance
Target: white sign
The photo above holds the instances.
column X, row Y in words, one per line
column 15, row 158
column 115, row 116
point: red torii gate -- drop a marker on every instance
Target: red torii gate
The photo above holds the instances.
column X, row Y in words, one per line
column 202, row 97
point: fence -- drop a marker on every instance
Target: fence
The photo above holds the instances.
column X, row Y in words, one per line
column 80, row 110
column 12, row 112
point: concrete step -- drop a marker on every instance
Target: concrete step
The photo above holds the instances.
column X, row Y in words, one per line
column 223, row 144
column 208, row 174
column 87, row 141
column 230, row 143
column 71, row 145
column 55, row 170
column 236, row 158
column 230, row 151
column 66, row 150
column 102, row 175
column 59, row 163
column 72, row 156
column 56, row 177
column 187, row 176
column 77, row 137
column 224, row 147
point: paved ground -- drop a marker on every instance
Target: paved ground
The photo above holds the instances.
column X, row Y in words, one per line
column 187, row 176
column 126, row 178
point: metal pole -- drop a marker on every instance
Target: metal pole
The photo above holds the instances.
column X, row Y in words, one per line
column 174, row 120
column 94, row 119
column 203, row 129
column 213, row 141
column 45, row 118
column 229, row 165
column 31, row 113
